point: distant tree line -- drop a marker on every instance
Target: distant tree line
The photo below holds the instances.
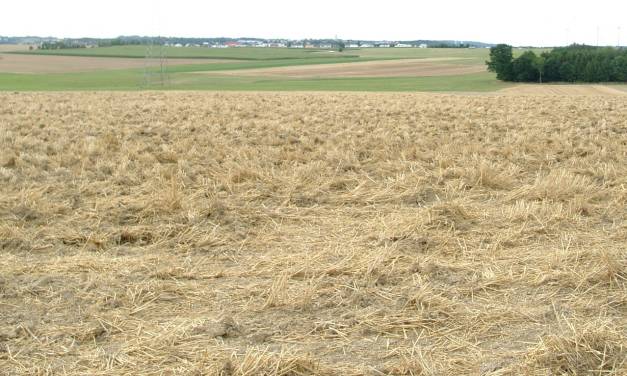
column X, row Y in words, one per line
column 450, row 45
column 59, row 45
column 119, row 42
column 575, row 63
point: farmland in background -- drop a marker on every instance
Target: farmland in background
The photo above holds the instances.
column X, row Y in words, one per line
column 245, row 53
column 313, row 233
column 459, row 69
column 257, row 69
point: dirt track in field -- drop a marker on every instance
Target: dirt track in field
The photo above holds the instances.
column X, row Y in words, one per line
column 14, row 63
column 387, row 68
column 548, row 89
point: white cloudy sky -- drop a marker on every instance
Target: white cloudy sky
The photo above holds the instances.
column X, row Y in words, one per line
column 526, row 22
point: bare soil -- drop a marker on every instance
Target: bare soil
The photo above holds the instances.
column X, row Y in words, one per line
column 15, row 63
column 564, row 89
column 387, row 68
column 13, row 47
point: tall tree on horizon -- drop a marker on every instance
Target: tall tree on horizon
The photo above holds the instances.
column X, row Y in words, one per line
column 501, row 57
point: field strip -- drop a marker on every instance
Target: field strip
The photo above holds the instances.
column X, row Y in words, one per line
column 548, row 89
column 23, row 63
column 380, row 68
column 13, row 47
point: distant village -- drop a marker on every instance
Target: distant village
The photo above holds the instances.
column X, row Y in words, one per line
column 331, row 44
column 299, row 44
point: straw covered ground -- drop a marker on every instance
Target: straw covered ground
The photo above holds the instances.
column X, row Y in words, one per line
column 301, row 233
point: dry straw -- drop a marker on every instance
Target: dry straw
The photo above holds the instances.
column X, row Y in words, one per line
column 302, row 233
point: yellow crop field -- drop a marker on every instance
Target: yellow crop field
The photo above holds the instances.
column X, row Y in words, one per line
column 206, row 233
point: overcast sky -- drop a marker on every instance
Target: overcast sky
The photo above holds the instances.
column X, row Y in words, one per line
column 525, row 22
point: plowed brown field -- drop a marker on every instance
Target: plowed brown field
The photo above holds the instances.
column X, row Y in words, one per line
column 387, row 68
column 15, row 63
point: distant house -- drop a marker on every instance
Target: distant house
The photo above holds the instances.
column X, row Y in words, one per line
column 422, row 45
column 353, row 46
column 367, row 45
column 403, row 45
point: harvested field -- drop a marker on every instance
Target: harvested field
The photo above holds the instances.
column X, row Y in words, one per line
column 17, row 63
column 13, row 47
column 300, row 233
column 564, row 89
column 385, row 68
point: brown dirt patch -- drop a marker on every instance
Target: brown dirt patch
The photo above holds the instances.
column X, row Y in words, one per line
column 568, row 90
column 13, row 47
column 387, row 68
column 17, row 63
column 199, row 233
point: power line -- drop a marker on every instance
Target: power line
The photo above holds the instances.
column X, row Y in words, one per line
column 156, row 59
column 155, row 64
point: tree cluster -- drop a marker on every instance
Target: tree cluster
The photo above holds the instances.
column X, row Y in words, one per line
column 59, row 45
column 450, row 45
column 119, row 42
column 575, row 63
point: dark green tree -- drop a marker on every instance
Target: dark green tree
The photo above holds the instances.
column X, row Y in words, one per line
column 619, row 69
column 539, row 63
column 500, row 62
column 524, row 67
column 566, row 72
column 575, row 63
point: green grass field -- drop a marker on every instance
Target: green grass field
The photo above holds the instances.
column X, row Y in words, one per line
column 183, row 77
column 134, row 80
